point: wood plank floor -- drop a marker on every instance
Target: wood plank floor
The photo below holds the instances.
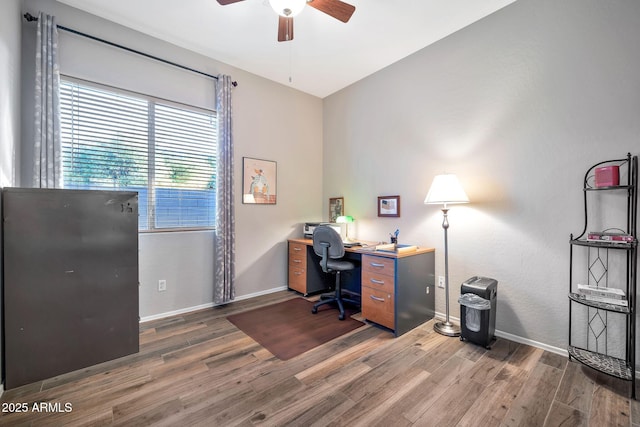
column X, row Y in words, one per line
column 199, row 369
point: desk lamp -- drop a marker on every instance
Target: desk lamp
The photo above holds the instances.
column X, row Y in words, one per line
column 346, row 219
column 446, row 189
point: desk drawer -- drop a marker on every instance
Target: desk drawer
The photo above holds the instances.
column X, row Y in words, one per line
column 380, row 282
column 378, row 265
column 378, row 307
column 298, row 279
column 298, row 260
column 298, row 255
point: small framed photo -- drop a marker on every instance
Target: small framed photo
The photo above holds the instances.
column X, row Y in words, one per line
column 389, row 206
column 259, row 181
column 336, row 208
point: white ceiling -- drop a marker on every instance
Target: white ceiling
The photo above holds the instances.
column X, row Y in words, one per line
column 325, row 56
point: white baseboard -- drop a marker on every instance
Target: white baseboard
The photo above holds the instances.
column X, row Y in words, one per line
column 516, row 338
column 208, row 305
column 175, row 312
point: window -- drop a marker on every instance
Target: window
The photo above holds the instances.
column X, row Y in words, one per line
column 167, row 153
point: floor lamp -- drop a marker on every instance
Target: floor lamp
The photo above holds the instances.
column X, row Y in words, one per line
column 446, row 189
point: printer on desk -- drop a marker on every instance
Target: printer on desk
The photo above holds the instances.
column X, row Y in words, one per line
column 309, row 227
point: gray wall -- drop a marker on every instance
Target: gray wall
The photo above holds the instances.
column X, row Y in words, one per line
column 185, row 259
column 9, row 106
column 518, row 105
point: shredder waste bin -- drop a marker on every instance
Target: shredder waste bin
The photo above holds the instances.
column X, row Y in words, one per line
column 477, row 300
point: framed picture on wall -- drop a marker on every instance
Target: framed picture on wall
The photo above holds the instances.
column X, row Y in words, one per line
column 389, row 206
column 259, row 181
column 336, row 208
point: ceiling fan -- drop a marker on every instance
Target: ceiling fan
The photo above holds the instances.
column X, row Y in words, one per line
column 287, row 9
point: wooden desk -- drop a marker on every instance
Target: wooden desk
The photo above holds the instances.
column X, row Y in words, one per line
column 397, row 290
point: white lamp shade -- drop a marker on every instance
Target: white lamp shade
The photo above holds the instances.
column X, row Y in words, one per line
column 288, row 8
column 446, row 189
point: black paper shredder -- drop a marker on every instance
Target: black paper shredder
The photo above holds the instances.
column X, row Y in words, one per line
column 478, row 315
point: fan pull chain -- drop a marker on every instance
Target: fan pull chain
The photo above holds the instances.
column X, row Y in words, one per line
column 290, row 61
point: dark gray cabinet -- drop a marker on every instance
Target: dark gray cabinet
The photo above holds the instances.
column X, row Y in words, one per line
column 70, row 294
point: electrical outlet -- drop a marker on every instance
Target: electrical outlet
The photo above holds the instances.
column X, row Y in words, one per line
column 162, row 285
column 441, row 281
column 427, row 289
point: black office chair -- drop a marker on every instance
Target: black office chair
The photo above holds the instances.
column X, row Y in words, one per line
column 327, row 244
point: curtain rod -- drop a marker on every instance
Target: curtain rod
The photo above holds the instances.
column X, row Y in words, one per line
column 29, row 18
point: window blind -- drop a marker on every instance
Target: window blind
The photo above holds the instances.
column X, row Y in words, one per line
column 120, row 141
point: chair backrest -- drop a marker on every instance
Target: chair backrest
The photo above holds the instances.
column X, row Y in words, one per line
column 327, row 243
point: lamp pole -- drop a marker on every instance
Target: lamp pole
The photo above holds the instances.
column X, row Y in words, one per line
column 446, row 328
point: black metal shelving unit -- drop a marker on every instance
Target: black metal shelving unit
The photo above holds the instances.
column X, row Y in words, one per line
column 600, row 316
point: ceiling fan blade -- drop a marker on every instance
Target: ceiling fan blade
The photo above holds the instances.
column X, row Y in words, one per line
column 226, row 2
column 285, row 29
column 335, row 8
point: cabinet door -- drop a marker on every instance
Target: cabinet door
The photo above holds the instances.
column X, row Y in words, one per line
column 378, row 306
column 297, row 279
column 70, row 280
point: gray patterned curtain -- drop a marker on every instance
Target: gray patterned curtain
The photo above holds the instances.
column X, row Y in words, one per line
column 47, row 166
column 225, row 248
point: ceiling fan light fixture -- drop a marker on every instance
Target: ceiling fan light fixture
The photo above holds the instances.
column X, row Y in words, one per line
column 288, row 8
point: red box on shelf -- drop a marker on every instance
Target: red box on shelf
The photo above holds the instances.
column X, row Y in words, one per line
column 607, row 176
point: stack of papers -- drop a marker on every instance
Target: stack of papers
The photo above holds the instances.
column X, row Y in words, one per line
column 603, row 294
column 392, row 247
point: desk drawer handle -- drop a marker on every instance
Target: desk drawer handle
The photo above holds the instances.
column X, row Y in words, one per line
column 377, row 282
column 298, row 273
column 376, row 264
column 297, row 261
column 376, row 298
column 296, row 249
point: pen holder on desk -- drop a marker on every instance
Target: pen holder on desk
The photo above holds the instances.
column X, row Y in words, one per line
column 394, row 241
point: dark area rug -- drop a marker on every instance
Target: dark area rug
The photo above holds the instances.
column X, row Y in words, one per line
column 288, row 328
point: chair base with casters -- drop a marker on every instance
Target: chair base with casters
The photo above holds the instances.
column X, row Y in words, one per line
column 337, row 297
column 327, row 244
